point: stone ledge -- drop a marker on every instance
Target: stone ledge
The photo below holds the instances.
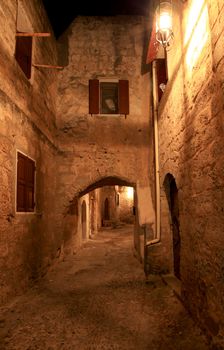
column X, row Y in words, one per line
column 174, row 283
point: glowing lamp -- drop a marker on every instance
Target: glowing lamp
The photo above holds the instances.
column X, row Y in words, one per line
column 164, row 23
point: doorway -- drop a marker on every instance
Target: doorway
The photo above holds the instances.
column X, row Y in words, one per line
column 83, row 220
column 106, row 209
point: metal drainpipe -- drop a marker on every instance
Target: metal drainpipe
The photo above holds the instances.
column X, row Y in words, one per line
column 156, row 150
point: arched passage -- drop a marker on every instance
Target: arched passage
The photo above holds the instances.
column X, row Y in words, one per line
column 84, row 223
column 105, row 209
column 172, row 197
column 107, row 181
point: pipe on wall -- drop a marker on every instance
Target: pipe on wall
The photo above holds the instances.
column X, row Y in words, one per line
column 155, row 99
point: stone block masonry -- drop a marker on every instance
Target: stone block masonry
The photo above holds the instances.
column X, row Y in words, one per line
column 191, row 143
column 27, row 116
column 99, row 146
column 46, row 118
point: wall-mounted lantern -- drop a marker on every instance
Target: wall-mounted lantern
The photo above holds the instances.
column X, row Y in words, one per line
column 164, row 23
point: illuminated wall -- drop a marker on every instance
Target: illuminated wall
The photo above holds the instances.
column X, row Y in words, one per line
column 191, row 141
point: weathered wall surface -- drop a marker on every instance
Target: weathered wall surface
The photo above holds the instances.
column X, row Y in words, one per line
column 27, row 118
column 126, row 203
column 95, row 147
column 191, row 149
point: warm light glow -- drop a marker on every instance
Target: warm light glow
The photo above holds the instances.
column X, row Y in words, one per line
column 164, row 31
column 197, row 31
column 130, row 192
column 165, row 21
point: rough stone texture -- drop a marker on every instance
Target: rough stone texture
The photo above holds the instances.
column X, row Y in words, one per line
column 191, row 149
column 27, row 118
column 95, row 147
column 82, row 150
column 98, row 299
column 126, row 203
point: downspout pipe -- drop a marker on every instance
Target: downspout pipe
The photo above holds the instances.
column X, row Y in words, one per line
column 155, row 100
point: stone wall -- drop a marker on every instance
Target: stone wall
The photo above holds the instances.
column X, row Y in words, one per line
column 126, row 203
column 191, row 149
column 95, row 147
column 27, row 118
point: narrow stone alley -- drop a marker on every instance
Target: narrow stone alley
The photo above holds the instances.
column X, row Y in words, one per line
column 98, row 299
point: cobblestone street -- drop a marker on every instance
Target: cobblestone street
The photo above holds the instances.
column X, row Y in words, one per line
column 98, row 299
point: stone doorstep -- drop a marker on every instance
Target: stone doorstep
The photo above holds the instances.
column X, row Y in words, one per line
column 174, row 283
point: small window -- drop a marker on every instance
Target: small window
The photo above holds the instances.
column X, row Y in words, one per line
column 25, row 184
column 108, row 97
column 23, row 54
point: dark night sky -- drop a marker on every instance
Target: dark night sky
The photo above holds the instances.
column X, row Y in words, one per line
column 62, row 13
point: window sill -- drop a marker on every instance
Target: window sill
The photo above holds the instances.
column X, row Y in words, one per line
column 25, row 212
column 108, row 115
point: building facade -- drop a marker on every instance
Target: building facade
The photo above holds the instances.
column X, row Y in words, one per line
column 103, row 120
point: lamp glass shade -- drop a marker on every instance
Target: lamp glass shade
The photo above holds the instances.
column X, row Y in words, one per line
column 164, row 23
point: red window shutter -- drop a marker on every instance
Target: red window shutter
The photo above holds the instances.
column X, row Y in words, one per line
column 153, row 44
column 161, row 65
column 30, row 184
column 25, row 184
column 94, row 94
column 21, row 183
column 123, row 97
column 23, row 54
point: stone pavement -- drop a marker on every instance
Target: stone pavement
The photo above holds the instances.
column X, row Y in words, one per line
column 98, row 299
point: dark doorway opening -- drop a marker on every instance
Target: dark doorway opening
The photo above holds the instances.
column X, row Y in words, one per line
column 83, row 220
column 172, row 197
column 106, row 210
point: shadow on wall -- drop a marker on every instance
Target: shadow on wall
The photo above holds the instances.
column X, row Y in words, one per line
column 172, row 198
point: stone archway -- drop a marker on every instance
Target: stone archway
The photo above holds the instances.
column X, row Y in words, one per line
column 172, row 197
column 106, row 181
column 107, row 211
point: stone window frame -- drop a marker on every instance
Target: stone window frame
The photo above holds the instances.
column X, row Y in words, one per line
column 25, row 209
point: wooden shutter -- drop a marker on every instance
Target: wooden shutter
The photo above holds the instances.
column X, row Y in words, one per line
column 21, row 183
column 30, row 184
column 25, row 184
column 123, row 97
column 23, row 54
column 161, row 65
column 94, row 93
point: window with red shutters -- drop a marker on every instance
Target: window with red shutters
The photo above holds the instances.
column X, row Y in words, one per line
column 23, row 54
column 108, row 97
column 25, row 183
